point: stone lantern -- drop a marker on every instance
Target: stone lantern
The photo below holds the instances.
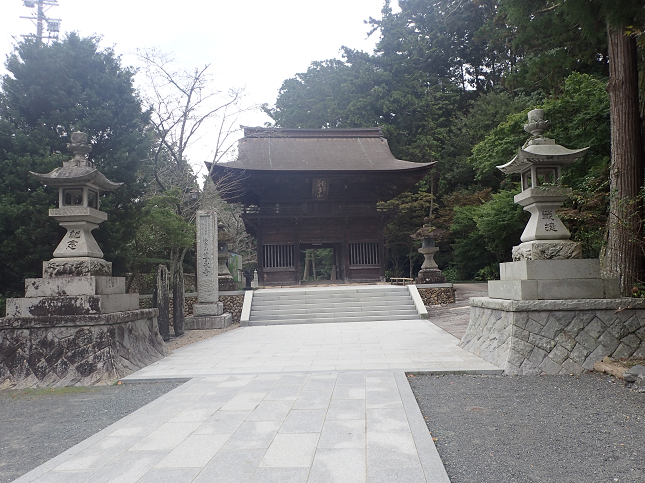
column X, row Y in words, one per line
column 539, row 163
column 225, row 279
column 546, row 265
column 430, row 272
column 79, row 184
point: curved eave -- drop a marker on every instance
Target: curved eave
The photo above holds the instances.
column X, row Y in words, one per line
column 67, row 176
column 231, row 174
column 545, row 154
column 415, row 167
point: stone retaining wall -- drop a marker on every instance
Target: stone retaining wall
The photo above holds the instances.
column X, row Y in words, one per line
column 77, row 350
column 232, row 304
column 437, row 296
column 554, row 336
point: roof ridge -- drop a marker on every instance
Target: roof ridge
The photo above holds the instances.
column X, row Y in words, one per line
column 278, row 132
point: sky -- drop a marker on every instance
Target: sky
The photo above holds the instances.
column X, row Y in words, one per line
column 254, row 44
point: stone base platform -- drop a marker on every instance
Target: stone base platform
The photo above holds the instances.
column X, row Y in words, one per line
column 531, row 337
column 432, row 275
column 81, row 350
column 208, row 322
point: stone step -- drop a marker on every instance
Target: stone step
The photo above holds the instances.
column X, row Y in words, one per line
column 334, row 320
column 362, row 296
column 331, row 305
column 408, row 313
column 286, row 304
column 306, row 309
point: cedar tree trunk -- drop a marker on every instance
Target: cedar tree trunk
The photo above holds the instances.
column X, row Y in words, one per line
column 623, row 252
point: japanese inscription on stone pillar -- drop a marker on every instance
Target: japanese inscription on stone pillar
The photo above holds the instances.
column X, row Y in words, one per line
column 207, row 257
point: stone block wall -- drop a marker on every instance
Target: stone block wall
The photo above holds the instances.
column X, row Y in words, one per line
column 232, row 304
column 555, row 336
column 437, row 295
column 77, row 350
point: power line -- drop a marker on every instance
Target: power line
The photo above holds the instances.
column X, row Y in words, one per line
column 39, row 19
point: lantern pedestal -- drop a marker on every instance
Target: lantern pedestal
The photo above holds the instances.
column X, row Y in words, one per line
column 430, row 272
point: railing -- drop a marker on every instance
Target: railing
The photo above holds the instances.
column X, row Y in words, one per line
column 363, row 253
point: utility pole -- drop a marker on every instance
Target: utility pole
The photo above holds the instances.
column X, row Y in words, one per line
column 38, row 17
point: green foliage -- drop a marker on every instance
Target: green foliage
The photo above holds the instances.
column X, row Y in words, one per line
column 484, row 235
column 411, row 210
column 162, row 230
column 500, row 222
column 579, row 118
column 51, row 91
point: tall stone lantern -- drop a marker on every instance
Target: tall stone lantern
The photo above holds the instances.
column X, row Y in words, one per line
column 79, row 184
column 539, row 163
column 546, row 264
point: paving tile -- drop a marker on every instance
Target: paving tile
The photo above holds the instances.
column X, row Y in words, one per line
column 312, row 400
column 271, row 411
column 284, row 392
column 391, row 450
column 70, row 476
column 170, row 475
column 351, row 378
column 166, row 437
column 231, row 466
column 199, row 411
column 129, row 467
column 304, row 421
column 349, row 391
column 382, row 399
column 223, row 422
column 253, row 435
column 346, row 409
column 244, row 400
column 280, row 475
column 343, row 433
column 99, row 454
column 195, row 451
column 291, row 450
column 346, row 465
column 387, row 420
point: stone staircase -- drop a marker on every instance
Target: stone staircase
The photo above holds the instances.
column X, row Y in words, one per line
column 317, row 305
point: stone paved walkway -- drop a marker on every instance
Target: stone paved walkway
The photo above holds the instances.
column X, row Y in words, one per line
column 304, row 403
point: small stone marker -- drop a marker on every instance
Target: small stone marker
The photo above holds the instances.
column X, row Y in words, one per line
column 255, row 283
column 162, row 297
column 178, row 302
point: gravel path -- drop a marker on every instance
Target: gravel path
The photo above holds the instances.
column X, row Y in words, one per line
column 535, row 429
column 36, row 425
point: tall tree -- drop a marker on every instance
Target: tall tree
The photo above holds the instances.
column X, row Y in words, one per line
column 49, row 92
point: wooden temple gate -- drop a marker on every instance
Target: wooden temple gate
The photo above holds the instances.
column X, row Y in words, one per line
column 308, row 189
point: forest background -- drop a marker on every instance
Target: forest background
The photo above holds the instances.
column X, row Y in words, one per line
column 449, row 81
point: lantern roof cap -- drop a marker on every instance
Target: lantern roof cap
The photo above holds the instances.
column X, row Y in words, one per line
column 540, row 150
column 78, row 170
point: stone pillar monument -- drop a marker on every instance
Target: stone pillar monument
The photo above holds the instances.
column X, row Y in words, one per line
column 208, row 311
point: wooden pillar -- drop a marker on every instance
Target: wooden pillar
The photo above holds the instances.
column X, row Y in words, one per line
column 260, row 253
column 345, row 253
column 381, row 247
column 296, row 251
